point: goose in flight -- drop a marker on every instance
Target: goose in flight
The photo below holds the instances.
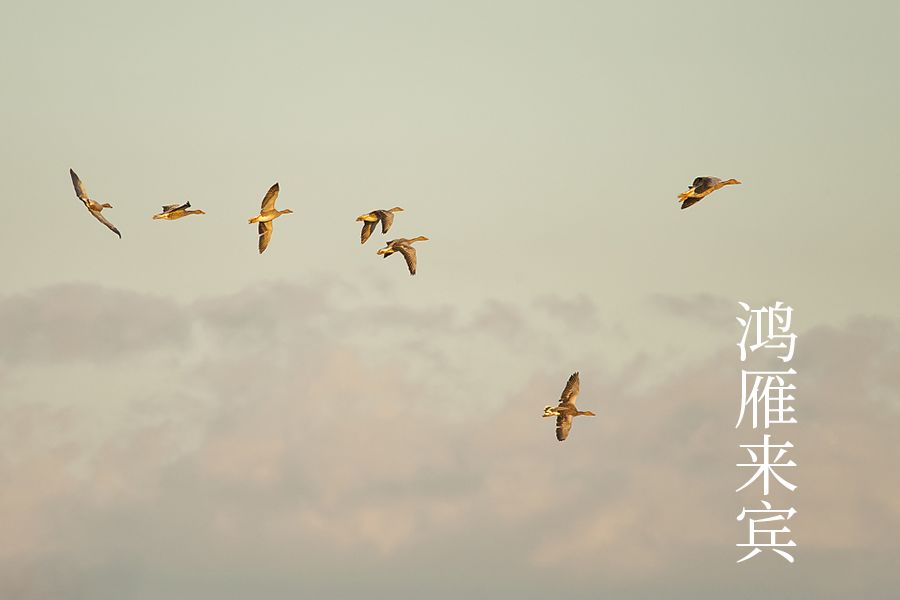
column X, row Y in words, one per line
column 566, row 410
column 93, row 206
column 176, row 211
column 404, row 247
column 267, row 213
column 701, row 188
column 370, row 220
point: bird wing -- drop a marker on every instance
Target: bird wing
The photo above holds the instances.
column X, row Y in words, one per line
column 368, row 228
column 80, row 190
column 173, row 207
column 704, row 184
column 387, row 219
column 409, row 253
column 563, row 426
column 265, row 234
column 570, row 392
column 268, row 202
column 103, row 220
column 689, row 202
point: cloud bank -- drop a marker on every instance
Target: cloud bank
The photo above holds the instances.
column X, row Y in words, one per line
column 282, row 442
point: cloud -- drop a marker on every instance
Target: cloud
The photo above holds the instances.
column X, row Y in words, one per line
column 278, row 464
column 80, row 322
column 709, row 309
column 576, row 314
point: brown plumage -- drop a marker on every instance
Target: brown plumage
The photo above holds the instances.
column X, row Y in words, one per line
column 566, row 410
column 171, row 212
column 92, row 206
column 404, row 247
column 701, row 188
column 268, row 213
column 370, row 220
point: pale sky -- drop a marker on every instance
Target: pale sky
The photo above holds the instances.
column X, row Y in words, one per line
column 183, row 418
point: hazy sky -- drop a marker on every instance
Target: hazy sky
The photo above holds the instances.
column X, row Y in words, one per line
column 183, row 418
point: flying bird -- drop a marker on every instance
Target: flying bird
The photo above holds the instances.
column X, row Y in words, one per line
column 267, row 213
column 566, row 410
column 93, row 206
column 370, row 220
column 404, row 247
column 172, row 212
column 701, row 188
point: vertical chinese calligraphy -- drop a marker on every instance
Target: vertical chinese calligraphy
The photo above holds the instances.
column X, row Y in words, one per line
column 767, row 400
